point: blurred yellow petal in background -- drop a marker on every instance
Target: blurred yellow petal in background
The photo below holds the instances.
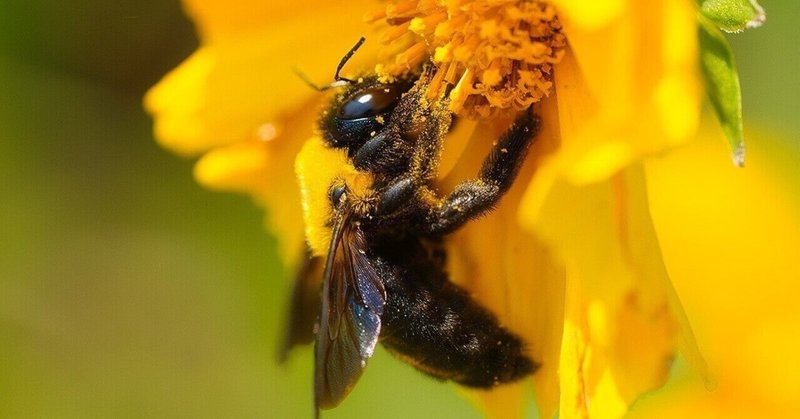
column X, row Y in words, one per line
column 739, row 280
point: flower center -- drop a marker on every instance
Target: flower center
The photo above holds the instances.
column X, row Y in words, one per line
column 498, row 54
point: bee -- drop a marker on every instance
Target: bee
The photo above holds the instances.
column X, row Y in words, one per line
column 384, row 278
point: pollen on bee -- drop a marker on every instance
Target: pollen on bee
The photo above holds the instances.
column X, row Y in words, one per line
column 372, row 134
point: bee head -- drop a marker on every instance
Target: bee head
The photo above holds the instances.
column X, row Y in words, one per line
column 360, row 112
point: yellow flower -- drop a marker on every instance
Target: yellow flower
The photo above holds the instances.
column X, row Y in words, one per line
column 573, row 263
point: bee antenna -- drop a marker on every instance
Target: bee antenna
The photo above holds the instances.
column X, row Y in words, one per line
column 346, row 58
column 310, row 83
column 338, row 80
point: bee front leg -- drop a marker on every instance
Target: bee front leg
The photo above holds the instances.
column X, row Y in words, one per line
column 398, row 193
column 475, row 197
column 423, row 165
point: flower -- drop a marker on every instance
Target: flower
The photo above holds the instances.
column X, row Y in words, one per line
column 574, row 264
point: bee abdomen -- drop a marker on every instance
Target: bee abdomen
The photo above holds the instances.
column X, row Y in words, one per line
column 437, row 327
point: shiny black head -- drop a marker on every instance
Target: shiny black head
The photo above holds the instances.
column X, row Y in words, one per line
column 361, row 111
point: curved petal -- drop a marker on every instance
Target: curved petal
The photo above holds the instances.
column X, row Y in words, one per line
column 740, row 278
column 516, row 276
column 263, row 167
column 233, row 85
column 622, row 324
column 591, row 14
column 219, row 19
column 630, row 84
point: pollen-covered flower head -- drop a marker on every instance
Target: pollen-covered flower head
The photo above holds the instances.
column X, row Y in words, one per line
column 496, row 55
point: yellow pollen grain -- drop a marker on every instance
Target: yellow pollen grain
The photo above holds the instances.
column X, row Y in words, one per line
column 443, row 53
column 492, row 76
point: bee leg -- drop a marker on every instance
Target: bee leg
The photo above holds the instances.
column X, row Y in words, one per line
column 384, row 153
column 396, row 194
column 424, row 165
column 475, row 197
column 372, row 149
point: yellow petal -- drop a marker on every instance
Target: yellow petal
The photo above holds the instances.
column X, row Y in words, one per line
column 511, row 272
column 729, row 237
column 263, row 167
column 590, row 14
column 216, row 18
column 177, row 104
column 232, row 86
column 621, row 319
column 241, row 167
column 503, row 402
column 573, row 357
column 628, row 88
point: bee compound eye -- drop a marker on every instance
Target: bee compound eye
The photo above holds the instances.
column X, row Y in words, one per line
column 370, row 102
column 337, row 193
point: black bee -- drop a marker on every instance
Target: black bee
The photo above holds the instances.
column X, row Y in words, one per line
column 384, row 278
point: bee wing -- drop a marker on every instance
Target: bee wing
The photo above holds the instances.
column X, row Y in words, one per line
column 353, row 297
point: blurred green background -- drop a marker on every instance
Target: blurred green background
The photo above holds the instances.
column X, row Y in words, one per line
column 126, row 290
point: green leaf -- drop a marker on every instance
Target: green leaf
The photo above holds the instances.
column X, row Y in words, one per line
column 733, row 15
column 722, row 85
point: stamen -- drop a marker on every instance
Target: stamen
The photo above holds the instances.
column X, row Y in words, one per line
column 461, row 92
column 451, row 74
column 394, row 33
column 426, row 25
column 413, row 56
column 499, row 54
column 374, row 15
column 402, row 9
